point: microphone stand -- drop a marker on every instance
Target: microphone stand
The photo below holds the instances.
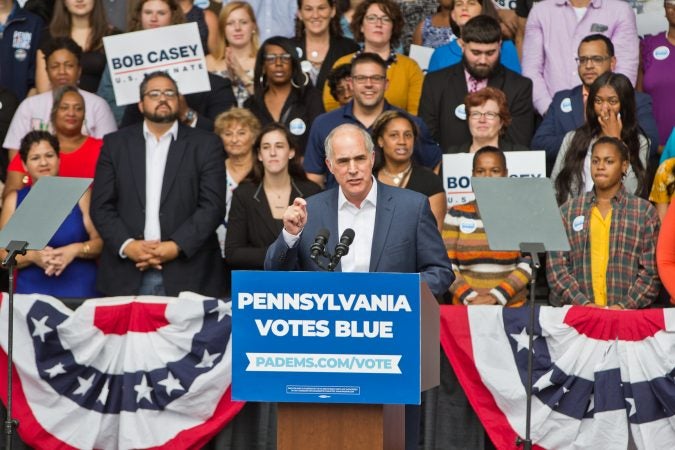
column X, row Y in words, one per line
column 533, row 249
column 14, row 248
column 333, row 260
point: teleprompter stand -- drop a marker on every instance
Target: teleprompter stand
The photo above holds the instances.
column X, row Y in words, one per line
column 31, row 227
column 522, row 214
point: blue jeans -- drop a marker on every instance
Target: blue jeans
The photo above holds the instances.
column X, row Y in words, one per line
column 152, row 283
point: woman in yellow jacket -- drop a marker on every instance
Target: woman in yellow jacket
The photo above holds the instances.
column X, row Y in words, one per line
column 377, row 26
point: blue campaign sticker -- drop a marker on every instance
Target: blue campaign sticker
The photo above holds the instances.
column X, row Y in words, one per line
column 566, row 105
column 578, row 223
column 661, row 53
column 20, row 54
column 306, row 66
column 460, row 112
column 297, row 127
column 467, row 226
column 326, row 337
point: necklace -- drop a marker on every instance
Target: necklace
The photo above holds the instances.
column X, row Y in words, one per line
column 314, row 54
column 398, row 177
column 278, row 198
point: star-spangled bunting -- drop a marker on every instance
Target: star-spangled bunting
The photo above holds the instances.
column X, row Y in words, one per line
column 67, row 359
column 600, row 378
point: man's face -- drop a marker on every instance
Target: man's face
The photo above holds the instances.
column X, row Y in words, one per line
column 480, row 60
column 351, row 165
column 63, row 68
column 160, row 101
column 593, row 60
column 369, row 81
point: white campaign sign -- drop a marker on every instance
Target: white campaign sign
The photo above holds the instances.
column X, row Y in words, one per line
column 175, row 49
column 457, row 172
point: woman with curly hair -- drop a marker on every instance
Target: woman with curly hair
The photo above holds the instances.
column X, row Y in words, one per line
column 377, row 25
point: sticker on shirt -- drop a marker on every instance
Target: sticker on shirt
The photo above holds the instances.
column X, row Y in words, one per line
column 467, row 226
column 37, row 123
column 566, row 105
column 460, row 112
column 661, row 53
column 20, row 54
column 297, row 127
column 578, row 223
column 21, row 39
column 306, row 66
column 599, row 28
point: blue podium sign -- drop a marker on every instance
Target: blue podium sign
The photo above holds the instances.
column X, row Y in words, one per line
column 322, row 337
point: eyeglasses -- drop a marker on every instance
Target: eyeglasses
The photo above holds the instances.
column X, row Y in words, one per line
column 595, row 60
column 272, row 58
column 155, row 94
column 373, row 19
column 363, row 79
column 477, row 115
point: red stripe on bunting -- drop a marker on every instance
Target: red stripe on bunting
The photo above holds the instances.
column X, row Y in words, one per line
column 33, row 434
column 196, row 437
column 130, row 317
column 608, row 325
column 456, row 342
column 30, row 430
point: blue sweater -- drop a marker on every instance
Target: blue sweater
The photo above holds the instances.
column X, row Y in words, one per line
column 450, row 54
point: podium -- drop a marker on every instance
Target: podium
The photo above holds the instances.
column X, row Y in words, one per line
column 341, row 353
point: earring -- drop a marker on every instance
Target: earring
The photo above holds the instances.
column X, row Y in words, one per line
column 304, row 84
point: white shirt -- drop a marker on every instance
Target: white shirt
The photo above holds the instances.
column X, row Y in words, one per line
column 156, row 151
column 362, row 221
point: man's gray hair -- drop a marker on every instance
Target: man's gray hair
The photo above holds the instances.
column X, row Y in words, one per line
column 328, row 143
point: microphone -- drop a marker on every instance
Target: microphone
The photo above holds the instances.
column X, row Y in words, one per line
column 319, row 245
column 342, row 248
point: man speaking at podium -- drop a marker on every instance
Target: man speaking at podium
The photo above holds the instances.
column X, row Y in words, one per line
column 394, row 229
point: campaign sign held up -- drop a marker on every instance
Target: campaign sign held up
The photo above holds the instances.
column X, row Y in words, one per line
column 176, row 50
column 457, row 168
column 322, row 337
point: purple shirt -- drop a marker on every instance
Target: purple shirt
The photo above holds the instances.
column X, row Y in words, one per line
column 658, row 64
column 552, row 37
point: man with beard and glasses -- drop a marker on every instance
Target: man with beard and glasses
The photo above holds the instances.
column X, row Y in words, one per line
column 158, row 197
column 442, row 104
column 595, row 57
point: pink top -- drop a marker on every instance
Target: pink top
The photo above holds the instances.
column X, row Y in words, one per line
column 552, row 37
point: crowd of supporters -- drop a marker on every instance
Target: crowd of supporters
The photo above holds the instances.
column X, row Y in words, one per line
column 175, row 175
